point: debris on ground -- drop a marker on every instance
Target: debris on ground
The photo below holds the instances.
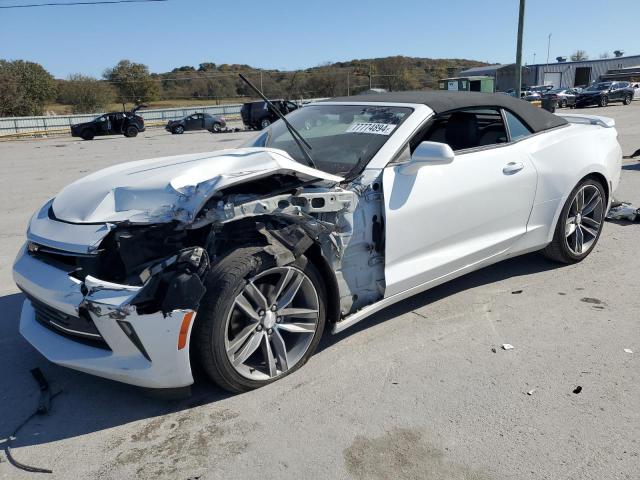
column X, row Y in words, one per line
column 577, row 390
column 493, row 349
column 516, row 292
column 530, row 392
column 628, row 350
column 507, row 346
column 623, row 211
column 44, row 407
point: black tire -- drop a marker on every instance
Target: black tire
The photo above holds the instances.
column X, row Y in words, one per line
column 264, row 123
column 563, row 103
column 224, row 283
column 216, row 128
column 627, row 100
column 131, row 131
column 604, row 101
column 87, row 134
column 177, row 130
column 558, row 250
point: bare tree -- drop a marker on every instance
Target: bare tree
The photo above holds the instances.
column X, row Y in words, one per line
column 579, row 55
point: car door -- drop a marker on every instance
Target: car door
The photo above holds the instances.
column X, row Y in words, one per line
column 207, row 121
column 193, row 122
column 445, row 217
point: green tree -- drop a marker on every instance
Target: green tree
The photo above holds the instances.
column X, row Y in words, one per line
column 24, row 88
column 85, row 94
column 132, row 82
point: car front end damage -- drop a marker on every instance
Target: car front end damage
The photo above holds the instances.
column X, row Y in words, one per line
column 113, row 285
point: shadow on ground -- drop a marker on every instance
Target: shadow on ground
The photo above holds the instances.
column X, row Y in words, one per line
column 90, row 404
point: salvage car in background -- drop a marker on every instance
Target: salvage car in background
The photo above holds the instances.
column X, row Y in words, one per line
column 603, row 93
column 238, row 259
column 197, row 121
column 566, row 97
column 128, row 124
column 257, row 115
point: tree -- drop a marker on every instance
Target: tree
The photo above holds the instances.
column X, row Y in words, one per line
column 85, row 94
column 579, row 55
column 206, row 67
column 24, row 88
column 132, row 81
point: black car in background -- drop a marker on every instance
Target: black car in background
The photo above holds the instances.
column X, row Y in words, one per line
column 197, row 121
column 128, row 124
column 603, row 93
column 257, row 115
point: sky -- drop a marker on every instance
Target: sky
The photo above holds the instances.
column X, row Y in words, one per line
column 286, row 35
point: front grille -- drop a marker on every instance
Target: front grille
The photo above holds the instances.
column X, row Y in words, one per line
column 80, row 329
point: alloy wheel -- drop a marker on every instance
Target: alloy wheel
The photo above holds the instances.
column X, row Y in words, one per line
column 584, row 219
column 272, row 323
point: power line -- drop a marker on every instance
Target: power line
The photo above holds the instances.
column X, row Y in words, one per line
column 97, row 2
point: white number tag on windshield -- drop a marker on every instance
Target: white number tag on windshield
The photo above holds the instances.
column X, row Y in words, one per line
column 374, row 128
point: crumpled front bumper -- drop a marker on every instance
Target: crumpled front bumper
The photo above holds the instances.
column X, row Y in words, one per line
column 155, row 362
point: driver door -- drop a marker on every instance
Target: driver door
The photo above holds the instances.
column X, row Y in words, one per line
column 445, row 217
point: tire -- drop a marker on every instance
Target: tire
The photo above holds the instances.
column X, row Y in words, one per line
column 264, row 123
column 131, row 131
column 604, row 101
column 563, row 103
column 178, row 130
column 563, row 247
column 87, row 134
column 627, row 100
column 217, row 128
column 221, row 321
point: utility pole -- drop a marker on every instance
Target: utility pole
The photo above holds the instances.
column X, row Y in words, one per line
column 548, row 48
column 348, row 86
column 370, row 86
column 534, row 58
column 261, row 89
column 519, row 50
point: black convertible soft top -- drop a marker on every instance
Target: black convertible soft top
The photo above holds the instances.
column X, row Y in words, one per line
column 443, row 101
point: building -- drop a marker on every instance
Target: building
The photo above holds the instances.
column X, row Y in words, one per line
column 566, row 74
column 488, row 71
column 468, row 84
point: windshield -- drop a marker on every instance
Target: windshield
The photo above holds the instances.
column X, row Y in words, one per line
column 598, row 87
column 343, row 138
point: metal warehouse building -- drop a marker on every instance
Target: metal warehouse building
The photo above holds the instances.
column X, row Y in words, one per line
column 565, row 74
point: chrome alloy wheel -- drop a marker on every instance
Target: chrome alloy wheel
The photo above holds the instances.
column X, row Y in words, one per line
column 272, row 323
column 584, row 219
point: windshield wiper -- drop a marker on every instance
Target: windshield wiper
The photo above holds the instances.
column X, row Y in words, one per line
column 300, row 141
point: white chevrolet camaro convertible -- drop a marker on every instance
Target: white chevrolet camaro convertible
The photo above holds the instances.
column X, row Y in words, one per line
column 237, row 260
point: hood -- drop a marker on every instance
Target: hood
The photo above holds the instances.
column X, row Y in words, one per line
column 171, row 188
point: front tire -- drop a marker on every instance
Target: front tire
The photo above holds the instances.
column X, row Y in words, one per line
column 87, row 134
column 563, row 103
column 580, row 223
column 258, row 321
column 217, row 128
column 178, row 130
column 264, row 123
column 604, row 101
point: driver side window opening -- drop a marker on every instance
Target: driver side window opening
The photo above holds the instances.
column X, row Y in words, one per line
column 473, row 128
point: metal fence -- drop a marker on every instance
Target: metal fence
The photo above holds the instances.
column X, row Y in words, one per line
column 60, row 123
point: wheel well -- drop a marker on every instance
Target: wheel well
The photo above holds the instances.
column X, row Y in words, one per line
column 602, row 180
column 314, row 254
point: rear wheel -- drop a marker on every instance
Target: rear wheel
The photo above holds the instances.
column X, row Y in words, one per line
column 627, row 100
column 264, row 123
column 131, row 131
column 87, row 134
column 580, row 223
column 604, row 101
column 563, row 103
column 259, row 321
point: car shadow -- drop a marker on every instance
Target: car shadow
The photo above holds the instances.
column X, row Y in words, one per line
column 90, row 404
column 631, row 166
column 514, row 267
column 85, row 404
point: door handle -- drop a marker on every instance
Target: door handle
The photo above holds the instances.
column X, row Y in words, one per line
column 512, row 167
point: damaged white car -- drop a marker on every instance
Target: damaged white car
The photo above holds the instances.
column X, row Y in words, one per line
column 238, row 259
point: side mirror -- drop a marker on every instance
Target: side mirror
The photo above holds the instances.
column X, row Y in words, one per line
column 428, row 153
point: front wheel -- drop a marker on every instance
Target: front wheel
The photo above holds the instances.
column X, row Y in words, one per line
column 217, row 128
column 258, row 321
column 563, row 103
column 265, row 123
column 580, row 223
column 604, row 101
column 87, row 134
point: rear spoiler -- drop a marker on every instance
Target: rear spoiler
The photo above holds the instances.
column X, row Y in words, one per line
column 605, row 122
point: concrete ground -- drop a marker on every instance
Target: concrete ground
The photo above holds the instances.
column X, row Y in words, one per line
column 414, row 392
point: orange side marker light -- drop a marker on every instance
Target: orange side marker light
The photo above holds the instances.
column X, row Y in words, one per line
column 184, row 329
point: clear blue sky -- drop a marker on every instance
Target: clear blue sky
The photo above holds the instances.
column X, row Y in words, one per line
column 288, row 34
